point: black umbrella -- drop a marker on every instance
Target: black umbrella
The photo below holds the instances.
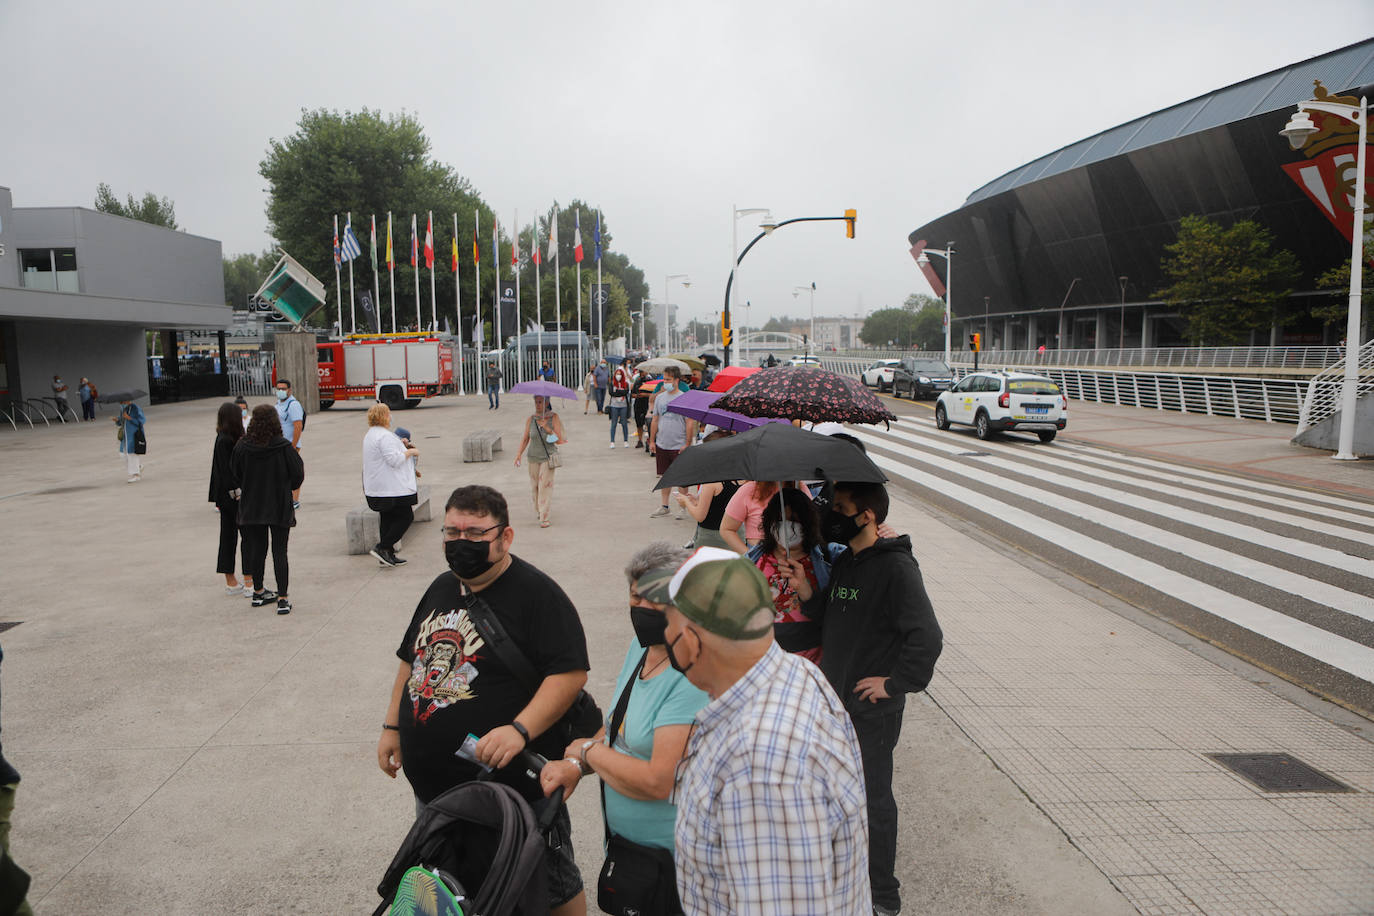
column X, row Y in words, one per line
column 115, row 396
column 709, row 359
column 774, row 451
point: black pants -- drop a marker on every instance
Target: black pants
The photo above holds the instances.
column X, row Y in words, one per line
column 393, row 525
column 229, row 540
column 877, row 739
column 255, row 555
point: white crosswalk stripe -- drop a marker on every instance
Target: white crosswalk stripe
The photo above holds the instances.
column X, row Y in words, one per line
column 1199, row 516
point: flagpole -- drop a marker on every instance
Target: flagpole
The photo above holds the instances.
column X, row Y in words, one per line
column 601, row 306
column 430, row 257
column 338, row 287
column 577, row 238
column 376, row 281
column 352, row 310
column 557, row 293
column 496, row 294
column 390, row 274
column 515, row 268
column 538, row 284
column 458, row 303
column 415, row 260
column 479, row 331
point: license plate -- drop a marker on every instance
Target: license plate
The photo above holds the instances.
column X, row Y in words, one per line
column 1035, row 409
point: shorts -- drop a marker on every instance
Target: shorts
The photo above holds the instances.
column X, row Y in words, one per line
column 664, row 458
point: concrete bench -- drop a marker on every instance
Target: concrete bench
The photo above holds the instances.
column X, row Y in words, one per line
column 480, row 445
column 363, row 526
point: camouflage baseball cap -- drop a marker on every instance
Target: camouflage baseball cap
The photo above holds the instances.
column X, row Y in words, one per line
column 653, row 584
column 721, row 592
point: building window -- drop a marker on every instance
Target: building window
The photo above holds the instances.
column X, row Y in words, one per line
column 49, row 268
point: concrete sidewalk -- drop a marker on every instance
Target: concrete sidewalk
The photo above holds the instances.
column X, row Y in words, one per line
column 186, row 753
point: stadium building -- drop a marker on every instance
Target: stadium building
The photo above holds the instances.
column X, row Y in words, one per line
column 1065, row 251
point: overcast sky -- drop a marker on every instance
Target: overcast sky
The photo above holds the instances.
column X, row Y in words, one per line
column 664, row 115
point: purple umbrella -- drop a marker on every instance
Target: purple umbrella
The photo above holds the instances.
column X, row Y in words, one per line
column 542, row 387
column 696, row 405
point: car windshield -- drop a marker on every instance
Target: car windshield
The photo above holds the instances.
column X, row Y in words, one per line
column 930, row 367
column 1032, row 386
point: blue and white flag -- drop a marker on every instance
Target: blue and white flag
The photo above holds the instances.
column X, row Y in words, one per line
column 351, row 249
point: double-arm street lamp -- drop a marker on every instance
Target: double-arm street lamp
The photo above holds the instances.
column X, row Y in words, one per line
column 769, row 225
column 668, row 306
column 1298, row 131
column 797, row 291
column 948, row 254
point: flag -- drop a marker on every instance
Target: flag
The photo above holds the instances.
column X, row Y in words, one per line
column 515, row 249
column 414, row 248
column 390, row 257
column 337, row 259
column 455, row 254
column 596, row 239
column 351, row 248
column 534, row 243
column 429, row 243
column 374, row 243
column 577, row 238
column 553, row 236
column 476, row 252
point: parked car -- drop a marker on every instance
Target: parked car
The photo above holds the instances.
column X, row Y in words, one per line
column 808, row 360
column 921, row 378
column 994, row 401
column 879, row 375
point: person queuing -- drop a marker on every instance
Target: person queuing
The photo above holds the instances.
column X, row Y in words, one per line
column 794, row 546
column 745, row 510
column 707, row 504
column 879, row 642
column 223, row 493
column 292, row 416
column 641, row 410
column 589, row 386
column 670, row 433
column 619, row 407
column 647, row 728
column 133, row 438
column 451, row 684
column 546, row 372
column 88, row 395
column 266, row 470
column 770, row 803
column 600, row 377
column 389, row 484
column 543, row 435
column 242, row 404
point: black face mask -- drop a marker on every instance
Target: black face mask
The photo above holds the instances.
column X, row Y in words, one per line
column 649, row 625
column 672, row 659
column 468, row 559
column 840, row 528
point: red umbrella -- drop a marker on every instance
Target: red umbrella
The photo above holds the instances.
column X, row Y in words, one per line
column 798, row 393
column 730, row 376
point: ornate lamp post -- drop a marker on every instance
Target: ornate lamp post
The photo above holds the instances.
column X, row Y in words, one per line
column 948, row 254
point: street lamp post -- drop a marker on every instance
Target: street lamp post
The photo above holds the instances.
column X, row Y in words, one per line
column 1298, row 130
column 948, row 254
column 798, row 290
column 668, row 307
column 736, row 213
column 1121, row 340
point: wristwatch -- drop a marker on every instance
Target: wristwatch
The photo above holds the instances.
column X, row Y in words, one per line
column 582, row 754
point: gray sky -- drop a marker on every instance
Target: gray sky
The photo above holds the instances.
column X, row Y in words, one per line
column 664, row 115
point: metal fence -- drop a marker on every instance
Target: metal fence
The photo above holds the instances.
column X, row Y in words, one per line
column 1323, row 391
column 249, row 374
column 1301, row 358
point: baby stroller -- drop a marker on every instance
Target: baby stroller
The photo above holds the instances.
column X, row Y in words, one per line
column 476, row 850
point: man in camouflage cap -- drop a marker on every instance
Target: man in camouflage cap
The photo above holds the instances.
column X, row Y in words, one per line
column 770, row 795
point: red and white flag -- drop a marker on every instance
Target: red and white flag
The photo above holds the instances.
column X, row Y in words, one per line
column 429, row 243
column 577, row 238
column 553, row 236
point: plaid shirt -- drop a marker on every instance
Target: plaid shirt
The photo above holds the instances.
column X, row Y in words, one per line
column 770, row 799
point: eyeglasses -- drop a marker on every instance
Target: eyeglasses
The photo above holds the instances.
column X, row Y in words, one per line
column 468, row 534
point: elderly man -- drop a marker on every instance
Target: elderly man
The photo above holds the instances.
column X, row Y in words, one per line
column 770, row 803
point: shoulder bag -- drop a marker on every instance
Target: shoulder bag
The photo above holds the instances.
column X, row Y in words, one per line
column 140, row 442
column 583, row 718
column 635, row 879
column 554, row 459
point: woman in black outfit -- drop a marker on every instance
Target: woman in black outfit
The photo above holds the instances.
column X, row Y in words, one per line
column 266, row 469
column 228, row 432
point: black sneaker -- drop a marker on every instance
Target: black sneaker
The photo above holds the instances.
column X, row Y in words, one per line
column 395, row 560
column 384, row 556
column 262, row 598
column 283, row 605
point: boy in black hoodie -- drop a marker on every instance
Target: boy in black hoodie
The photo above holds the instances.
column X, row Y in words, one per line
column 879, row 641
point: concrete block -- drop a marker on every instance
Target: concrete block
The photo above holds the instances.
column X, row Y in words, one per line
column 481, row 444
column 363, row 526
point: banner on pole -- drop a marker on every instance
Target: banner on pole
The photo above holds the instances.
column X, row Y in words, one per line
column 369, row 312
column 508, row 319
column 601, row 306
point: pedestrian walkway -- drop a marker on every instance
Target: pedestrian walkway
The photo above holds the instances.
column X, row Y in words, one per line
column 185, row 753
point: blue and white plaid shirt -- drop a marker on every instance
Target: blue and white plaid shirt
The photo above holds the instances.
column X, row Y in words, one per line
column 770, row 799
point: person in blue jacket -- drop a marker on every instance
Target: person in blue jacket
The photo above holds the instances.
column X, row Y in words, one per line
column 132, row 421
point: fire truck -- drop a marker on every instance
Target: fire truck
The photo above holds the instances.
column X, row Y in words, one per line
column 399, row 370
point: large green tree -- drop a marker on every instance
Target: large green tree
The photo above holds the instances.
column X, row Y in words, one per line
column 1335, row 307
column 890, row 327
column 928, row 332
column 369, row 164
column 151, row 209
column 243, row 274
column 1227, row 281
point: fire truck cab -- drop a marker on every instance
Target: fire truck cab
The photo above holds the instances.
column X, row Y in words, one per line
column 398, row 370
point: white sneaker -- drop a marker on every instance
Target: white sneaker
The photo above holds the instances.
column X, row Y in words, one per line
column 233, row 591
column 612, row 443
column 625, row 444
column 659, row 512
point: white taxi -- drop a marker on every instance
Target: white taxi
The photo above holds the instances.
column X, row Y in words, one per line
column 991, row 402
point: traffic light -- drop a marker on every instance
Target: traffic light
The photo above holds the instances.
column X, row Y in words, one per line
column 725, row 332
column 975, row 342
column 850, row 218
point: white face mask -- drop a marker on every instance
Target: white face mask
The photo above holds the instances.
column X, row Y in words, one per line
column 282, row 395
column 788, row 534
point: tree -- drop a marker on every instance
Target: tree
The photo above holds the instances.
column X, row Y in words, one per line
column 151, row 209
column 367, row 164
column 243, row 274
column 1335, row 308
column 928, row 333
column 1227, row 282
column 890, row 327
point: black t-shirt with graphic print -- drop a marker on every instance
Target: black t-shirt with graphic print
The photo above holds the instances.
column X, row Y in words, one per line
column 459, row 687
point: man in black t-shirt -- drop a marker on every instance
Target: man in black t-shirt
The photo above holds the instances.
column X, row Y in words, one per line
column 451, row 685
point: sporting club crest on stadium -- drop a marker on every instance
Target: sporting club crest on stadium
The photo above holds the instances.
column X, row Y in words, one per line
column 1327, row 173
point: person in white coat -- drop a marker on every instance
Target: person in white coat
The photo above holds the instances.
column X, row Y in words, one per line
column 388, row 482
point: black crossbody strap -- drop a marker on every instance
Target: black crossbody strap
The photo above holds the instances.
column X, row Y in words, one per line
column 618, row 716
column 495, row 635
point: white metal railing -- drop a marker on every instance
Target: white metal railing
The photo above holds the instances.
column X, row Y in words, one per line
column 1315, row 358
column 1323, row 395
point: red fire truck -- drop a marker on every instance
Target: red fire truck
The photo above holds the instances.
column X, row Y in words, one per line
column 397, row 369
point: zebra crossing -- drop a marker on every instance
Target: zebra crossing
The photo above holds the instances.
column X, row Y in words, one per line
column 1291, row 566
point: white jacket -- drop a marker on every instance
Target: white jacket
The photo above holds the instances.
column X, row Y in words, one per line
column 387, row 470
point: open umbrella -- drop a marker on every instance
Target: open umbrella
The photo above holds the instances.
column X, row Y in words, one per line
column 774, row 451
column 709, row 359
column 696, row 405
column 663, row 362
column 544, row 387
column 113, row 397
column 692, row 362
column 805, row 394
column 729, row 377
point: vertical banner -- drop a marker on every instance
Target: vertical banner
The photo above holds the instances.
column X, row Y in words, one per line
column 601, row 304
column 508, row 314
column 369, row 312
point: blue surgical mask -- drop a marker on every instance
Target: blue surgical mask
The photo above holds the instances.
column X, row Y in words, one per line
column 282, row 395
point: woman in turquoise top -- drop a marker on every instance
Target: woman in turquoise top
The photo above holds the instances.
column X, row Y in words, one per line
column 637, row 769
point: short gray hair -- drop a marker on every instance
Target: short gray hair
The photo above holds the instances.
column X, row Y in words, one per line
column 657, row 555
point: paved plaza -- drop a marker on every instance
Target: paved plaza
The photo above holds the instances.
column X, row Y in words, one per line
column 185, row 753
